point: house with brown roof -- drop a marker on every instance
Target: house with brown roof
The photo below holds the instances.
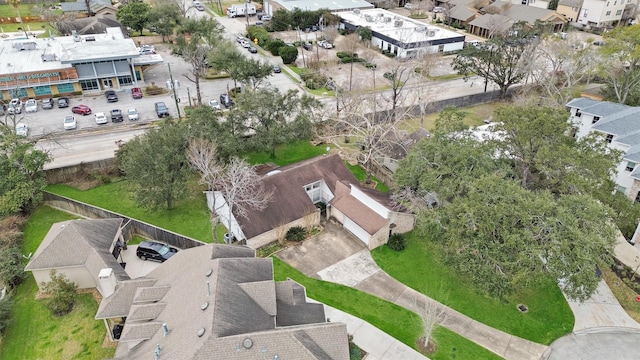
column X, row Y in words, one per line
column 297, row 190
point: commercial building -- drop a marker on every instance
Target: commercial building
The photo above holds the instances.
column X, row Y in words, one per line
column 400, row 35
column 32, row 67
column 271, row 6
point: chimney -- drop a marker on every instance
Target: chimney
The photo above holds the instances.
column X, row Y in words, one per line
column 107, row 282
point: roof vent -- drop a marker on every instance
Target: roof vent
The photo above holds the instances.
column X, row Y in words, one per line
column 247, row 343
column 387, row 19
column 204, row 306
column 420, row 28
column 356, row 11
column 209, row 272
column 201, row 332
column 90, row 38
column 398, row 23
column 273, row 172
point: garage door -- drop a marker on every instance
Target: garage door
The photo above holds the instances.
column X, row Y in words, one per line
column 356, row 230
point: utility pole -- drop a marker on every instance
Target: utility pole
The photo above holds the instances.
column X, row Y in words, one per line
column 175, row 94
column 246, row 11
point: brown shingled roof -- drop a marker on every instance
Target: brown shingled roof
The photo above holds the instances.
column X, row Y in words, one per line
column 362, row 215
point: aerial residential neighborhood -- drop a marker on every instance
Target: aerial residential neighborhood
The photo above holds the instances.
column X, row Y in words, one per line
column 294, row 179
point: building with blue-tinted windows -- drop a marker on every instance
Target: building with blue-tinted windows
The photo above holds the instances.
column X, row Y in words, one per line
column 50, row 67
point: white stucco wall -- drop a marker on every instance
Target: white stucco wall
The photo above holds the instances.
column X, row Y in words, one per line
column 222, row 209
column 77, row 274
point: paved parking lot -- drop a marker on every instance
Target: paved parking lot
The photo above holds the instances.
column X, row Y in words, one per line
column 135, row 267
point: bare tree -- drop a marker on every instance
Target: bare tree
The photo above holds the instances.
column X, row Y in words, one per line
column 309, row 222
column 398, row 76
column 351, row 45
column 240, row 188
column 431, row 314
column 281, row 232
column 183, row 6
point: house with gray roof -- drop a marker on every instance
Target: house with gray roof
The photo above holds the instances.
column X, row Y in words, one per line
column 271, row 6
column 298, row 188
column 96, row 6
column 80, row 249
column 500, row 16
column 620, row 124
column 221, row 302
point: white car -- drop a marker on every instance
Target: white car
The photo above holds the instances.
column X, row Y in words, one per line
column 31, row 106
column 15, row 107
column 22, row 129
column 215, row 105
column 408, row 6
column 132, row 115
column 245, row 44
column 70, row 122
column 101, row 118
column 325, row 44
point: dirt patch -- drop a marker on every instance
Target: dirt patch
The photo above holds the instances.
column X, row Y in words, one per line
column 427, row 350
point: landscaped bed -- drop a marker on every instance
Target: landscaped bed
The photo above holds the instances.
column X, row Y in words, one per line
column 419, row 267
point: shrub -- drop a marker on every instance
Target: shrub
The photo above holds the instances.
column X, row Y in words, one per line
column 296, row 233
column 396, row 242
column 62, row 294
column 370, row 65
column 289, row 54
column 11, row 267
column 274, row 45
column 5, row 312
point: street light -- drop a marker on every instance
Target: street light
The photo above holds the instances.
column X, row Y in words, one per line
column 175, row 94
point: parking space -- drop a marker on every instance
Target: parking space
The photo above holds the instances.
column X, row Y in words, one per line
column 135, row 267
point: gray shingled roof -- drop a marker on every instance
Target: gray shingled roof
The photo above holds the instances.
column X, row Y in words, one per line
column 94, row 24
column 580, row 103
column 80, row 6
column 603, row 108
column 239, row 298
column 290, row 201
column 119, row 303
column 79, row 243
column 572, row 3
column 620, row 123
column 495, row 22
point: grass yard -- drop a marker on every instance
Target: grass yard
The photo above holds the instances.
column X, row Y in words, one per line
column 361, row 175
column 190, row 217
column 7, row 10
column 288, row 154
column 475, row 116
column 549, row 315
column 625, row 295
column 396, row 321
column 34, row 333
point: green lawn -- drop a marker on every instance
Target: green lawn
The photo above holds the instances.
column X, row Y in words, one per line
column 549, row 315
column 34, row 333
column 9, row 11
column 190, row 217
column 394, row 320
column 361, row 175
column 288, row 154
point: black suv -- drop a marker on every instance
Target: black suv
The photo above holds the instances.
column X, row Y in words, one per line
column 161, row 110
column 63, row 102
column 111, row 96
column 151, row 250
column 116, row 115
column 226, row 100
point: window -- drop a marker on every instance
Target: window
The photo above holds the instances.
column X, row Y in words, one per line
column 65, row 88
column 637, row 197
column 314, row 191
column 609, row 138
column 42, row 90
column 18, row 93
column 89, row 84
column 595, row 119
column 608, row 13
column 125, row 80
column 578, row 113
column 619, row 12
column 630, row 166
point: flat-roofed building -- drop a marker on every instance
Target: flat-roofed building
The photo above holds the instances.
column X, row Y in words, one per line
column 271, row 6
column 402, row 36
column 32, row 67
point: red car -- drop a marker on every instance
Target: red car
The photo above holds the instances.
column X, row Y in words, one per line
column 136, row 93
column 81, row 109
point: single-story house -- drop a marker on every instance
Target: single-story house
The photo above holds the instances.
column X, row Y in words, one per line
column 91, row 25
column 500, row 16
column 101, row 7
column 298, row 188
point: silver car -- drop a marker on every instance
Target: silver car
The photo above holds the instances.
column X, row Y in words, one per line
column 31, row 106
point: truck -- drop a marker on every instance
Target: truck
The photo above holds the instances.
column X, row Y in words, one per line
column 241, row 10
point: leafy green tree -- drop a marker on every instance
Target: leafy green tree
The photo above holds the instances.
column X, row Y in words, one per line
column 364, row 32
column 204, row 35
column 134, row 14
column 620, row 64
column 289, row 54
column 11, row 267
column 503, row 59
column 160, row 182
column 280, row 118
column 252, row 72
column 226, row 58
column 62, row 293
column 164, row 19
column 281, row 21
column 553, row 4
column 22, row 169
column 274, row 46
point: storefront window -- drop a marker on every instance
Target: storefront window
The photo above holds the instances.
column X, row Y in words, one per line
column 65, row 88
column 125, row 80
column 89, row 84
column 42, row 90
column 18, row 93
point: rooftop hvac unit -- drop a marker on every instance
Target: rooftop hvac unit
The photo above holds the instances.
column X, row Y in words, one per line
column 398, row 23
column 368, row 18
column 90, row 38
column 356, row 11
column 379, row 14
column 431, row 33
column 387, row 19
column 420, row 28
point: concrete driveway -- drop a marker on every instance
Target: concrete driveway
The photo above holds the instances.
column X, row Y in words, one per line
column 135, row 267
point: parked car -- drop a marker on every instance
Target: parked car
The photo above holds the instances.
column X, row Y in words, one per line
column 22, row 129
column 215, row 105
column 81, row 109
column 70, row 122
column 252, row 50
column 325, row 44
column 31, row 106
column 146, row 51
column 111, row 96
column 408, row 6
column 161, row 110
column 199, row 7
column 116, row 115
column 136, row 93
column 63, row 102
column 15, row 107
column 307, row 46
column 276, row 69
column 438, row 9
column 47, row 103
column 226, row 100
column 151, row 250
column 101, row 118
column 266, row 18
column 240, row 38
column 245, row 44
column 314, row 28
column 132, row 115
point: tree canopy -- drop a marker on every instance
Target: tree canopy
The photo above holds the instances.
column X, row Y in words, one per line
column 134, row 14
column 620, row 65
column 518, row 207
